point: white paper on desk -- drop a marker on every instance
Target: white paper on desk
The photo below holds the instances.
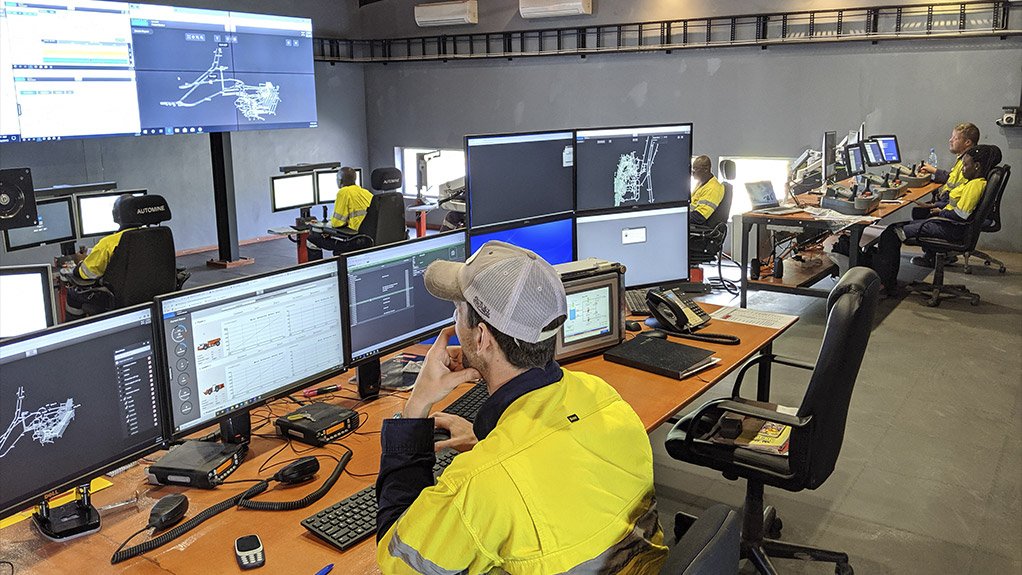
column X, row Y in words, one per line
column 753, row 317
column 835, row 216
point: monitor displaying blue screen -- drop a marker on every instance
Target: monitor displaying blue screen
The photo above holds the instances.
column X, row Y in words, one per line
column 553, row 241
column 889, row 147
column 83, row 68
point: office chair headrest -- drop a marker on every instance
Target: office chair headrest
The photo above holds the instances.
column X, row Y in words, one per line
column 134, row 211
column 727, row 169
column 860, row 280
column 385, row 179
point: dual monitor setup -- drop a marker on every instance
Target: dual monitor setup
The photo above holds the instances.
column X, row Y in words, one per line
column 157, row 373
column 68, row 216
column 300, row 188
column 856, row 152
column 619, row 194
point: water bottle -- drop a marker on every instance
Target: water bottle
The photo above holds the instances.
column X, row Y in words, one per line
column 932, row 160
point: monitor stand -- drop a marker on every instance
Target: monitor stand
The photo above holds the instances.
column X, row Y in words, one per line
column 205, row 464
column 73, row 519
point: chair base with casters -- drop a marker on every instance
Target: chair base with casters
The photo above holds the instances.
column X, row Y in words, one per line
column 987, row 260
column 937, row 290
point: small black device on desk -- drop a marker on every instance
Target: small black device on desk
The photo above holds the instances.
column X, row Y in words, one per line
column 317, row 423
column 249, row 552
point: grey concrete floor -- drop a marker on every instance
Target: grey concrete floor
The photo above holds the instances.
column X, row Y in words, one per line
column 929, row 476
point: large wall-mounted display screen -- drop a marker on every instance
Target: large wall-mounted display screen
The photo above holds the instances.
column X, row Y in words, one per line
column 83, row 68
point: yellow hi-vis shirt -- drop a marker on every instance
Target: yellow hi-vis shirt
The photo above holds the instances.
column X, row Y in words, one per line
column 707, row 197
column 954, row 178
column 563, row 483
column 94, row 265
column 964, row 198
column 350, row 207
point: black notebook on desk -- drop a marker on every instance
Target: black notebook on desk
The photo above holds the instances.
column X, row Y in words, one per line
column 660, row 356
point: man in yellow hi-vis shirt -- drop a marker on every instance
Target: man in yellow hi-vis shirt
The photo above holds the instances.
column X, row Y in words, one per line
column 350, row 207
column 556, row 472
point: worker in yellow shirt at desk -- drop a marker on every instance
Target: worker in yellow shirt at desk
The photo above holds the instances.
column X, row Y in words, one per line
column 707, row 197
column 964, row 137
column 350, row 207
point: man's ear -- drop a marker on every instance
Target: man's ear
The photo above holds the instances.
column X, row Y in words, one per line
column 485, row 338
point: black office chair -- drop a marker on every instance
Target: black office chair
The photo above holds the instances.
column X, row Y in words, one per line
column 817, row 427
column 385, row 218
column 706, row 241
column 709, row 545
column 992, row 223
column 937, row 290
column 143, row 265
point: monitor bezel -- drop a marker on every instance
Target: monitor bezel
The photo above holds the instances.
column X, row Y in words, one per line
column 170, row 433
column 71, row 189
column 320, row 200
column 847, row 158
column 865, row 156
column 273, row 197
column 121, row 458
column 46, row 271
column 829, row 145
column 78, row 209
column 414, row 337
column 574, row 169
column 668, row 206
column 494, row 228
column 591, row 345
column 897, row 147
column 468, row 173
column 72, row 220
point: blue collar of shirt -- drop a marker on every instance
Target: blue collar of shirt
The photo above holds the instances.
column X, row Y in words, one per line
column 521, row 384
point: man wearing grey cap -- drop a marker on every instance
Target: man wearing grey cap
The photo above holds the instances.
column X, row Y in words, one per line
column 556, row 473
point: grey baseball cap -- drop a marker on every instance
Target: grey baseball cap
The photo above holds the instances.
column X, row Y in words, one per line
column 513, row 289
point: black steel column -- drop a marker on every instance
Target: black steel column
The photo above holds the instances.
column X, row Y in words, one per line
column 223, row 196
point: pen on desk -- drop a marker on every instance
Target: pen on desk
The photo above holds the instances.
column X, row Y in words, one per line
column 321, row 390
column 325, row 570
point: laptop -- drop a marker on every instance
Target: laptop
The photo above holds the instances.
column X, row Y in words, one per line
column 764, row 201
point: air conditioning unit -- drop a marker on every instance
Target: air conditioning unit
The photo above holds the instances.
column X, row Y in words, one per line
column 447, row 13
column 554, row 8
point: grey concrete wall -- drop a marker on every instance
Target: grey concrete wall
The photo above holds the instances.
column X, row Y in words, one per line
column 178, row 167
column 743, row 101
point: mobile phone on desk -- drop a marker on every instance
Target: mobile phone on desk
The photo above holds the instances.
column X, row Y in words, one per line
column 249, row 552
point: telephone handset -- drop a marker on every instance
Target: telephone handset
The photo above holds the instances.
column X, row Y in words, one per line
column 680, row 316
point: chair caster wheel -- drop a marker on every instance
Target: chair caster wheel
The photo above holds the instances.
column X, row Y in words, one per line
column 974, row 301
column 844, row 569
column 932, row 302
column 1001, row 270
column 968, row 269
column 773, row 531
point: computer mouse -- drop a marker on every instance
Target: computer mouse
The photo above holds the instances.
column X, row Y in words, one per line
column 655, row 333
column 440, row 434
column 633, row 326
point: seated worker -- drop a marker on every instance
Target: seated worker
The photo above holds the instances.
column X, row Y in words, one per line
column 962, row 201
column 963, row 137
column 708, row 195
column 350, row 207
column 556, row 473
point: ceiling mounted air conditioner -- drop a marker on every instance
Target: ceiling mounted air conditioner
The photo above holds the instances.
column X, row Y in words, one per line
column 447, row 13
column 554, row 8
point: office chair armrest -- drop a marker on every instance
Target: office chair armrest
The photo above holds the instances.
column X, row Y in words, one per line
column 742, row 407
column 75, row 280
column 767, row 358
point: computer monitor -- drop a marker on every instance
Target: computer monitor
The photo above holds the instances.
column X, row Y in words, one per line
column 552, row 239
column 388, row 306
column 632, row 166
column 829, row 156
column 26, row 300
column 56, row 225
column 855, row 162
column 652, row 244
column 79, row 399
column 235, row 345
column 595, row 316
column 290, row 191
column 95, row 212
column 71, row 189
column 518, row 176
column 889, row 146
column 874, row 154
column 326, row 184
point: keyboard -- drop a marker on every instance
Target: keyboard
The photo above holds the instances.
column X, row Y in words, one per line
column 353, row 519
column 635, row 301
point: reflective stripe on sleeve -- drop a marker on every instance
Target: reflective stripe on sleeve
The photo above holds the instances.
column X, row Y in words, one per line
column 411, row 556
column 87, row 273
column 707, row 203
